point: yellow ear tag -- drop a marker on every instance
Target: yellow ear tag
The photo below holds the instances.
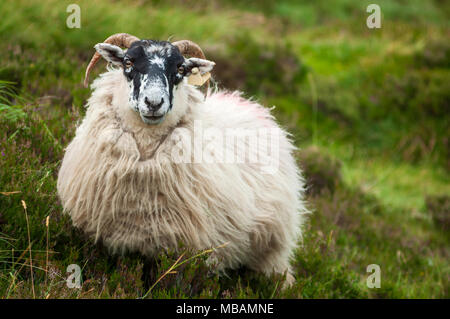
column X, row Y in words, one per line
column 196, row 78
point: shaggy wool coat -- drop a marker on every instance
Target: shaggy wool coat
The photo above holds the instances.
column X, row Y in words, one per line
column 120, row 180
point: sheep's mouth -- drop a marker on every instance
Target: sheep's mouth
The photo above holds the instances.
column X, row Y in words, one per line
column 153, row 118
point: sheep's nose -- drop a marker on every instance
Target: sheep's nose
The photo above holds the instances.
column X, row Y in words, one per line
column 152, row 105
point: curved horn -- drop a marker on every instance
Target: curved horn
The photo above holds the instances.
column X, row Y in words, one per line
column 187, row 47
column 120, row 39
column 190, row 48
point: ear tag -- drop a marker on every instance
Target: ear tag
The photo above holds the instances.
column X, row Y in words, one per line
column 198, row 79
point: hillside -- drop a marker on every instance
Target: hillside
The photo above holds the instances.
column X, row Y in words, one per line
column 368, row 108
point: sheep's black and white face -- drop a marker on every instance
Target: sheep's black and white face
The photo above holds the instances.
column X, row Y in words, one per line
column 153, row 70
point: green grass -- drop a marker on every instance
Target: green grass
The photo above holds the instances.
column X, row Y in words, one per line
column 368, row 109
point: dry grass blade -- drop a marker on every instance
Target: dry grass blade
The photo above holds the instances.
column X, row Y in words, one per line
column 17, row 271
column 47, row 221
column 207, row 251
column 164, row 275
column 177, row 264
column 29, row 245
column 10, row 193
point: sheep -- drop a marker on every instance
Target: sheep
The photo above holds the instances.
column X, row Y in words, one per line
column 132, row 176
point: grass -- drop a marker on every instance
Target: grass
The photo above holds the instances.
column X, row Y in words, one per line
column 368, row 109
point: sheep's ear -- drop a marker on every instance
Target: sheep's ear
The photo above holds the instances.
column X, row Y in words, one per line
column 111, row 53
column 204, row 66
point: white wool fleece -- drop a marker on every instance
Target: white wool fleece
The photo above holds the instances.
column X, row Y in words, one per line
column 118, row 181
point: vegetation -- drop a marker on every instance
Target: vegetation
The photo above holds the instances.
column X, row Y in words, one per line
column 368, row 109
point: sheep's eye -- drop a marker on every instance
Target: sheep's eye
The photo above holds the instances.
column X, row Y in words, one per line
column 128, row 63
column 181, row 69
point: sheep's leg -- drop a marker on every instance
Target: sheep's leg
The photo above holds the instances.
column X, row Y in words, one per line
column 271, row 253
column 216, row 262
column 223, row 258
column 274, row 263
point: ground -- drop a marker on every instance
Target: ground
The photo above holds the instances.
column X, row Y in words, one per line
column 368, row 109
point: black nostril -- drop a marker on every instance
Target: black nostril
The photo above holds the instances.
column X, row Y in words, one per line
column 153, row 106
column 149, row 104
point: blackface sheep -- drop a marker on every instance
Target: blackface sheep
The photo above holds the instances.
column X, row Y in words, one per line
column 155, row 163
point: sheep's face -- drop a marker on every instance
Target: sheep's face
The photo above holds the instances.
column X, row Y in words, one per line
column 153, row 69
